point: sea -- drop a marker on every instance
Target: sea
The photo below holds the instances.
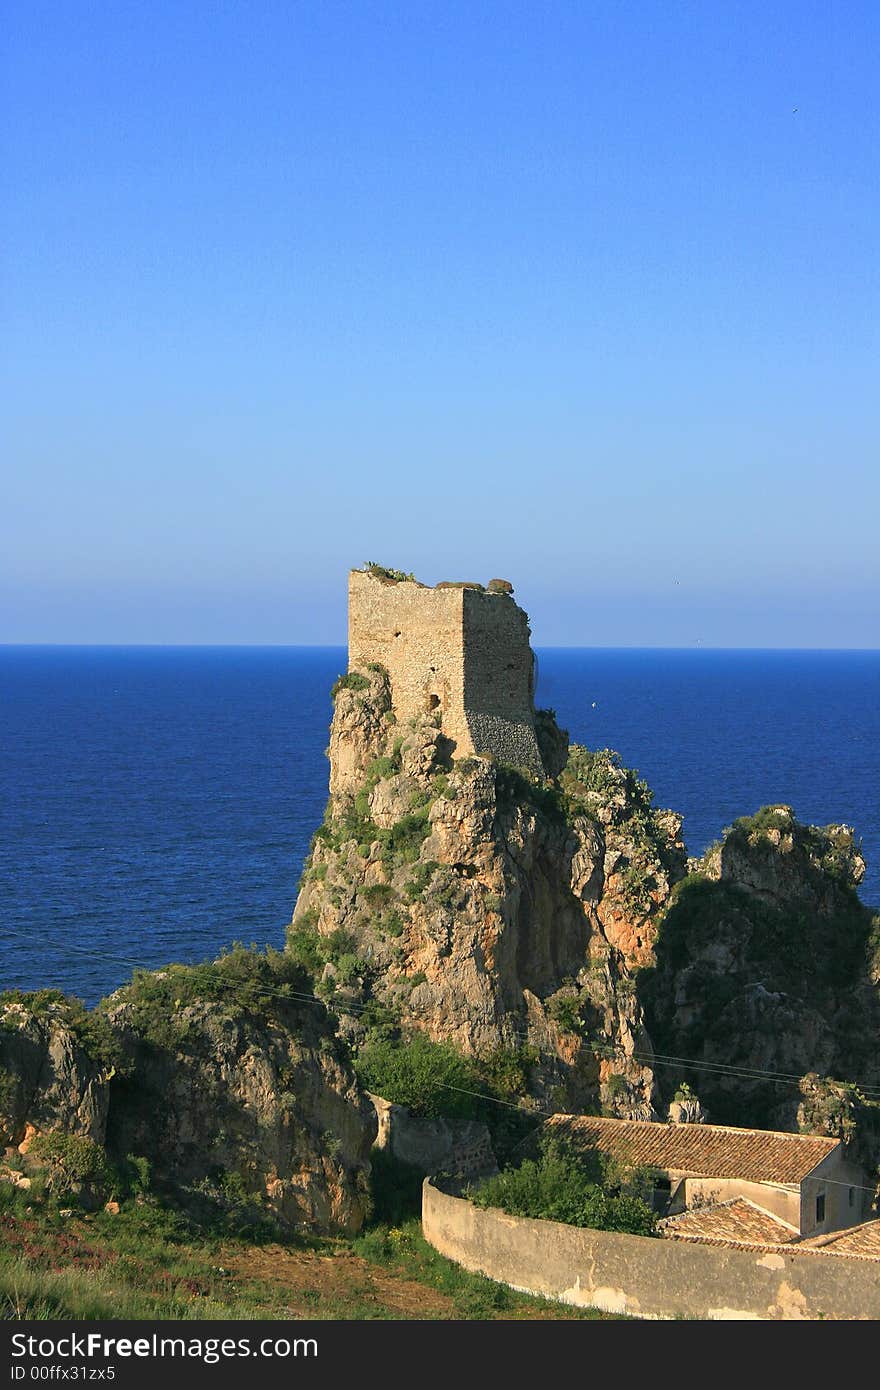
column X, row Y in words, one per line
column 156, row 803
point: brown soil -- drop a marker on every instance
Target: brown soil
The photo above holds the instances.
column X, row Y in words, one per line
column 326, row 1285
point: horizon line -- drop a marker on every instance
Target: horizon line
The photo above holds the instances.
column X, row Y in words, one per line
column 342, row 646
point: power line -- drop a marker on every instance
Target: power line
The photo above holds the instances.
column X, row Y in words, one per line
column 297, row 996
column 833, row 1182
column 597, row 1046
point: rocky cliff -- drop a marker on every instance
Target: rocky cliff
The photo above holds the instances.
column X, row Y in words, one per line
column 559, row 919
column 487, row 907
column 226, row 1087
column 767, row 962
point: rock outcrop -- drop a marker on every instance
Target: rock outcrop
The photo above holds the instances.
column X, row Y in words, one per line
column 230, row 1092
column 486, row 906
column 766, row 963
column 256, row 1110
column 55, row 1069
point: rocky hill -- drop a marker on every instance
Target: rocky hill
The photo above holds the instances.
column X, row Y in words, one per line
column 216, row 1086
column 549, row 929
column 559, row 920
column 487, row 907
column 767, row 961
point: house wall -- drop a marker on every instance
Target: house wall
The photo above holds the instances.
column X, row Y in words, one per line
column 784, row 1202
column 647, row 1277
column 834, row 1178
column 417, row 634
column 498, row 679
column 462, row 1148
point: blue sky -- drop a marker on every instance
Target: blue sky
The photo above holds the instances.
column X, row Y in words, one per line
column 583, row 295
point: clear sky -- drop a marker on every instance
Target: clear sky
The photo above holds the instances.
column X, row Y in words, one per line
column 583, row 295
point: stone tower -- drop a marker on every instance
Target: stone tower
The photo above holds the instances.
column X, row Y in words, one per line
column 459, row 649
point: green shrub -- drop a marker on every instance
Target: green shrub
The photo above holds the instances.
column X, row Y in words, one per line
column 517, row 787
column 8, row 1092
column 134, row 1176
column 91, row 1031
column 403, row 842
column 594, row 776
column 505, row 1072
column 381, row 768
column 338, row 944
column 349, row 967
column 378, row 894
column 305, row 945
column 72, row 1158
column 352, row 680
column 421, row 877
column 577, row 1189
column 242, row 980
column 428, row 1077
column 383, row 572
column 391, row 923
column 565, row 1011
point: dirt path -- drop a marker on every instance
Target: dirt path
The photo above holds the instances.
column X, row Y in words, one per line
column 338, row 1285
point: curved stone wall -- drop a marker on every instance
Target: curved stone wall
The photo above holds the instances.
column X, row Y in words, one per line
column 648, row 1278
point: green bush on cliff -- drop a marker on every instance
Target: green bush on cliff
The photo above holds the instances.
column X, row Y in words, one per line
column 506, row 1072
column 403, row 841
column 431, row 1078
column 598, row 775
column 305, row 946
column 579, row 1189
column 831, row 848
column 517, row 787
column 72, row 1159
column 90, row 1029
column 383, row 572
column 352, row 680
column 421, row 877
column 243, row 980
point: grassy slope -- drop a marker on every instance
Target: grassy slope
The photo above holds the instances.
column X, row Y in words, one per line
column 147, row 1262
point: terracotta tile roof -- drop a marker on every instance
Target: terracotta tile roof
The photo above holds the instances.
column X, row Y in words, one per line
column 738, row 1219
column 709, row 1151
column 855, row 1240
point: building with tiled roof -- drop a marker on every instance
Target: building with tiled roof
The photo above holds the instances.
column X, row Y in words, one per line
column 737, row 1220
column 806, row 1182
column 863, row 1240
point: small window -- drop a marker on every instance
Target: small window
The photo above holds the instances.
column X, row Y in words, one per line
column 852, row 1196
column 661, row 1195
column 820, row 1208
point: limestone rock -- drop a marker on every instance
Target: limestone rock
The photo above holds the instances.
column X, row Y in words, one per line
column 48, row 1077
column 764, row 965
column 492, row 908
column 249, row 1108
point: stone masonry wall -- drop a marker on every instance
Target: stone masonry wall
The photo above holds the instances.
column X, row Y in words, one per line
column 499, row 697
column 461, row 652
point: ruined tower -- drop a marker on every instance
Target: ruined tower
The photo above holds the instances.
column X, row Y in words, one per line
column 459, row 649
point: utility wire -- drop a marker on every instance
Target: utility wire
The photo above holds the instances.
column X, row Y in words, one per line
column 550, row 1114
column 288, row 995
column 868, row 1089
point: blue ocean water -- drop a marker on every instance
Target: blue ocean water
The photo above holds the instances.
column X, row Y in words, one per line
column 157, row 803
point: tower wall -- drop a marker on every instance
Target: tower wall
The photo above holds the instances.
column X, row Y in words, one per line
column 461, row 652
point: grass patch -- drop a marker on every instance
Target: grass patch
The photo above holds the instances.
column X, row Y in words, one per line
column 404, row 1250
column 147, row 1262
